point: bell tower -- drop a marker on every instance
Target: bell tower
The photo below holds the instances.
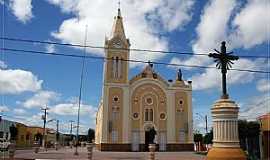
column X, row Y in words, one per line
column 117, row 53
column 115, row 116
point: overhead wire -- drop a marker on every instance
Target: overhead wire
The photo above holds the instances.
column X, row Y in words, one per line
column 129, row 60
column 131, row 49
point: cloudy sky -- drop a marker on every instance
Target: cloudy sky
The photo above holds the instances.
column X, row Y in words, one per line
column 29, row 82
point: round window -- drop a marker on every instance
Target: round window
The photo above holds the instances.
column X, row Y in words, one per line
column 149, row 100
column 115, row 99
column 135, row 115
column 162, row 116
column 181, row 102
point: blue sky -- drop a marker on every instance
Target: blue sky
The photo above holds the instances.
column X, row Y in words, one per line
column 29, row 82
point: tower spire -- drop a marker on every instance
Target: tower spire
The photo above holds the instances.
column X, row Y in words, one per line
column 118, row 27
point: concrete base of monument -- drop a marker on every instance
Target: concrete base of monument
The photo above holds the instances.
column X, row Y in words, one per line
column 226, row 154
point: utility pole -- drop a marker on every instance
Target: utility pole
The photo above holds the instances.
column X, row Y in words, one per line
column 80, row 94
column 71, row 136
column 44, row 117
column 57, row 134
column 206, row 124
column 71, row 122
column 57, row 130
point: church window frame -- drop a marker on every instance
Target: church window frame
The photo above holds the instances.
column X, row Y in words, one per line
column 149, row 100
column 136, row 116
column 180, row 106
column 114, row 136
column 115, row 113
column 163, row 116
column 149, row 115
column 115, row 98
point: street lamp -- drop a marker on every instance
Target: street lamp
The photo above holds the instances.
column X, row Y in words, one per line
column 205, row 119
column 57, row 131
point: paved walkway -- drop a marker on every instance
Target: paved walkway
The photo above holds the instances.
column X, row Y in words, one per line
column 66, row 153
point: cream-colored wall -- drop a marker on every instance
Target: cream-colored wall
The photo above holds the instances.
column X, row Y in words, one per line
column 99, row 120
column 172, row 124
column 181, row 112
column 117, row 124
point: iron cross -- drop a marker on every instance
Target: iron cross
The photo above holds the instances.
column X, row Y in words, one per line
column 224, row 62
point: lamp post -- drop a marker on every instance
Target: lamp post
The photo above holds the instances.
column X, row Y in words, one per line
column 44, row 117
column 57, row 132
column 206, row 121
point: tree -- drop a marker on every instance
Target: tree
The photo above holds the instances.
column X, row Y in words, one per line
column 13, row 132
column 198, row 137
column 207, row 139
column 91, row 134
column 249, row 136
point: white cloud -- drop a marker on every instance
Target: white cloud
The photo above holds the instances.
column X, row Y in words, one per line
column 3, row 65
column 213, row 27
column 211, row 78
column 50, row 48
column 1, row 1
column 226, row 20
column 252, row 24
column 4, row 109
column 22, row 9
column 263, row 85
column 211, row 30
column 138, row 21
column 171, row 13
column 72, row 109
column 19, row 111
column 18, row 81
column 193, row 61
column 255, row 107
column 41, row 99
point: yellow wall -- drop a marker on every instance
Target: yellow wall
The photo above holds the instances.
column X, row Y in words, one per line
column 181, row 112
column 21, row 136
column 265, row 122
column 116, row 106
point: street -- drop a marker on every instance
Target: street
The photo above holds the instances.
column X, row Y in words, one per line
column 67, row 153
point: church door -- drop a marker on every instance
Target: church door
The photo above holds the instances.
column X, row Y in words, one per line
column 162, row 141
column 135, row 141
column 147, row 140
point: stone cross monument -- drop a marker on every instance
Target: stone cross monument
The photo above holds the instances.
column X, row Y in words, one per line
column 225, row 116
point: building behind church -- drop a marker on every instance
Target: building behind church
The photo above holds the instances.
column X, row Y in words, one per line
column 129, row 108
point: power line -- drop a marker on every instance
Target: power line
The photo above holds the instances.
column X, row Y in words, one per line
column 129, row 60
column 132, row 49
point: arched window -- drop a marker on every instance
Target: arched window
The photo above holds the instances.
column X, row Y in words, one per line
column 151, row 115
column 113, row 67
column 117, row 67
column 148, row 114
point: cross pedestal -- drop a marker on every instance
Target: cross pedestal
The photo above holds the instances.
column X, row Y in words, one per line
column 225, row 132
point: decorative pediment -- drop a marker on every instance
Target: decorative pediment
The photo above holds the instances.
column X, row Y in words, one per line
column 148, row 72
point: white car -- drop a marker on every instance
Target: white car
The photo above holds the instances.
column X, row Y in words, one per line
column 4, row 144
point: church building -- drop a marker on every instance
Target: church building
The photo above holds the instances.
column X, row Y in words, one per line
column 130, row 108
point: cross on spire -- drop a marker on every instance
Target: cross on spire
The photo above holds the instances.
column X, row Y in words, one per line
column 224, row 62
column 119, row 8
column 119, row 4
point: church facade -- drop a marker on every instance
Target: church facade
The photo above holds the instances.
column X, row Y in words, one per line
column 130, row 108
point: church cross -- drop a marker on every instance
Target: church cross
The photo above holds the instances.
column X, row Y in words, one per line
column 119, row 4
column 224, row 62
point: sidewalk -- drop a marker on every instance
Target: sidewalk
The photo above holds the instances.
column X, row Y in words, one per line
column 67, row 153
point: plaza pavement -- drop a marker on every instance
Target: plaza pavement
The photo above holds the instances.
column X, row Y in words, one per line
column 67, row 153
